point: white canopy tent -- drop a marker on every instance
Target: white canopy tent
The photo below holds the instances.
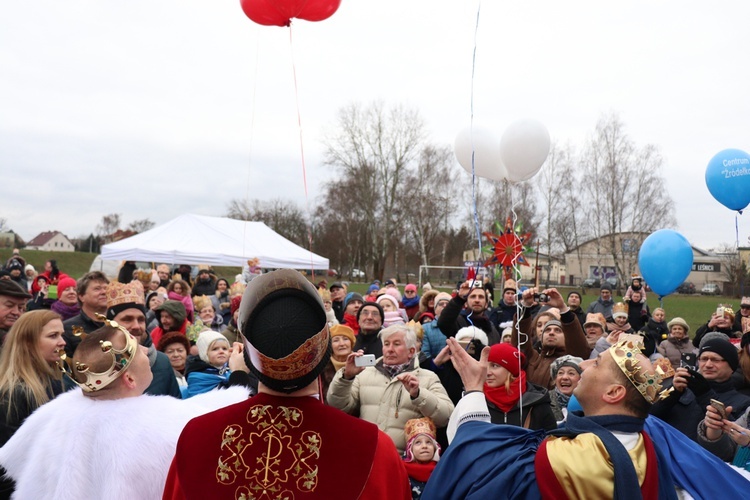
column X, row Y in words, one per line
column 199, row 239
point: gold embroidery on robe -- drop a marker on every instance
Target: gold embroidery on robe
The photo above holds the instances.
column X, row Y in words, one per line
column 269, row 463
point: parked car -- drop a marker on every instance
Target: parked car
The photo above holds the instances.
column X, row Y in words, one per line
column 356, row 273
column 613, row 282
column 686, row 287
column 710, row 289
column 591, row 283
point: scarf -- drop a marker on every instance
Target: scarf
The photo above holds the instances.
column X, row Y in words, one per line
column 506, row 399
column 337, row 365
column 394, row 370
column 351, row 322
column 407, row 303
column 678, row 342
column 418, row 471
column 562, row 399
column 64, row 310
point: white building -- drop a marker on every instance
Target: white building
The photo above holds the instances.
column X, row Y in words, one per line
column 51, row 241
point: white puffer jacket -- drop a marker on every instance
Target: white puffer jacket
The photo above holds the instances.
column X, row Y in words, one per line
column 385, row 401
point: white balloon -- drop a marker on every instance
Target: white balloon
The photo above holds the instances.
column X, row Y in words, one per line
column 524, row 148
column 486, row 148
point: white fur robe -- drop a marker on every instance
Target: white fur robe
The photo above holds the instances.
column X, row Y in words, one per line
column 79, row 448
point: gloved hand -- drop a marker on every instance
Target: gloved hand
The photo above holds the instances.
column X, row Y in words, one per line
column 698, row 384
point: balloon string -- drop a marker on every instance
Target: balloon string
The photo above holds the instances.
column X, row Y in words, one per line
column 737, row 249
column 252, row 135
column 517, row 277
column 302, row 155
column 473, row 171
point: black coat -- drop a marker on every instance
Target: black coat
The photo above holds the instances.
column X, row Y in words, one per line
column 535, row 400
column 454, row 317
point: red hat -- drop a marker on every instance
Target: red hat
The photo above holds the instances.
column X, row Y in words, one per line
column 235, row 303
column 64, row 284
column 507, row 356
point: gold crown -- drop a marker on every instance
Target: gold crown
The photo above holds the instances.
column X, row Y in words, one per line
column 121, row 359
column 625, row 353
column 416, row 426
column 128, row 293
column 620, row 307
column 201, row 301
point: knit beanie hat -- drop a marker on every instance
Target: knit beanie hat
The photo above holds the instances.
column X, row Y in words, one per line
column 174, row 338
column 442, row 296
column 713, row 335
column 567, row 360
column 410, row 286
column 352, row 296
column 64, row 284
column 205, row 340
column 508, row 357
column 343, row 330
column 372, row 288
column 286, row 330
column 387, row 297
column 723, row 348
column 469, row 333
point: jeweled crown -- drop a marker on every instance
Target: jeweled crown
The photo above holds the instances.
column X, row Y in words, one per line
column 625, row 353
column 423, row 425
column 121, row 359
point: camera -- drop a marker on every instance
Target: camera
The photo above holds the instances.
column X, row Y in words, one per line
column 541, row 297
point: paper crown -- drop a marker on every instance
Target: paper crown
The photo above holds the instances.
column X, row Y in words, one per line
column 129, row 293
column 201, row 301
column 416, row 426
column 619, row 309
column 121, row 359
column 625, row 354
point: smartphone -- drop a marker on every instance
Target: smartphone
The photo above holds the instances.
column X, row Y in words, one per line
column 688, row 359
column 52, row 292
column 720, row 311
column 719, row 406
column 365, row 360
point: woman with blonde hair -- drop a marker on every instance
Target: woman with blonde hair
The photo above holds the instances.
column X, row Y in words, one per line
column 29, row 376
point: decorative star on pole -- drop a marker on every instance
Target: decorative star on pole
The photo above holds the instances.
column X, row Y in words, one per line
column 507, row 248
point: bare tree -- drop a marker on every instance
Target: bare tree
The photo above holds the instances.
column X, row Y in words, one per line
column 283, row 216
column 3, row 224
column 108, row 225
column 141, row 225
column 376, row 146
column 626, row 192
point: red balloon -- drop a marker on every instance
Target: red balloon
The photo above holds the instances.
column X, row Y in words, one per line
column 281, row 12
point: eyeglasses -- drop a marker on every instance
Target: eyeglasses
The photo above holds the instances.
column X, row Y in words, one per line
column 369, row 314
column 706, row 359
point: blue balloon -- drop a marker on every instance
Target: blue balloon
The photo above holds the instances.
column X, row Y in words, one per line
column 728, row 178
column 665, row 260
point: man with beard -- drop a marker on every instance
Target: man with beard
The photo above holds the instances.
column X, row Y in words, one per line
column 468, row 308
column 205, row 284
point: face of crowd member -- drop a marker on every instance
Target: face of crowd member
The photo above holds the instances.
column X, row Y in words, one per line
column 327, row 305
column 509, row 297
column 713, row 367
column 207, row 315
column 48, row 266
column 155, row 301
column 598, row 374
column 342, row 346
column 95, row 296
column 163, row 273
column 496, row 375
column 410, row 294
column 29, row 273
column 395, row 351
column 337, row 294
column 423, row 449
column 69, row 297
column 388, row 306
column 605, row 294
column 153, row 285
column 541, row 320
column 477, row 300
column 178, row 288
column 722, row 322
column 218, row 353
column 221, row 286
column 658, row 315
column 11, row 308
column 567, row 380
column 353, row 306
column 439, row 307
column 51, row 342
column 553, row 337
column 620, row 320
column 507, row 338
column 574, row 300
column 677, row 331
column 636, row 297
column 134, row 321
column 369, row 319
column 593, row 333
column 15, row 273
column 177, row 355
column 167, row 321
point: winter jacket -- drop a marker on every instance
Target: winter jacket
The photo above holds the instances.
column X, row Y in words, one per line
column 433, row 340
column 369, row 343
column 385, row 401
column 538, row 363
column 454, row 317
column 535, row 407
column 502, row 314
column 201, row 287
column 164, row 382
column 673, row 350
column 601, row 306
column 71, row 325
column 202, row 377
column 657, row 330
column 704, row 329
column 177, row 310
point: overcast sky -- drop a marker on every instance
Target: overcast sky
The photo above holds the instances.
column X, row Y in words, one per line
column 155, row 108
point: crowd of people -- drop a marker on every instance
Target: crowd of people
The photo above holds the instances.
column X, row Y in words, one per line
column 443, row 394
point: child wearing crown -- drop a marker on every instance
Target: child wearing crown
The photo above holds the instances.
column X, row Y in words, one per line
column 422, row 453
column 210, row 370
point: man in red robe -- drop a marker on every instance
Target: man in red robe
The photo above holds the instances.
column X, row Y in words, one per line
column 284, row 442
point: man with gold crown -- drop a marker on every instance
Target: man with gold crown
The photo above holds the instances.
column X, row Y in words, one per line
column 285, row 442
column 605, row 454
column 105, row 439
